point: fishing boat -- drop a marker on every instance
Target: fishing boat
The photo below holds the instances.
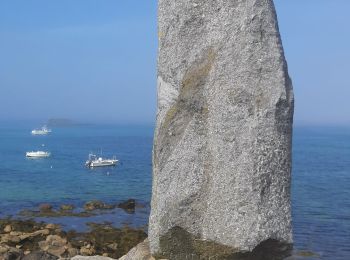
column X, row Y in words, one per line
column 38, row 154
column 95, row 161
column 42, row 131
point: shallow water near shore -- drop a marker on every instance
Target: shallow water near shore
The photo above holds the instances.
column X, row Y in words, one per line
column 320, row 188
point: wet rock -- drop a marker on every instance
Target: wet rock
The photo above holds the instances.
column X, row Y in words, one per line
column 25, row 226
column 13, row 254
column 4, row 248
column 87, row 250
column 113, row 246
column 43, row 232
column 97, row 204
column 306, row 253
column 101, row 239
column 54, row 245
column 92, row 258
column 46, row 210
column 7, row 238
column 104, row 235
column 73, row 252
column 67, row 207
column 8, row 229
column 55, row 214
column 39, row 255
column 128, row 206
column 16, row 233
column 51, row 226
column 45, row 207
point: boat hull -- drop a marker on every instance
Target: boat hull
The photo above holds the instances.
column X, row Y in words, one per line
column 101, row 164
column 39, row 132
column 37, row 155
column 43, row 131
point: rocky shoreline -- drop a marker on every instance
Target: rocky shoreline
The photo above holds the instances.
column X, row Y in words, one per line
column 90, row 208
column 29, row 239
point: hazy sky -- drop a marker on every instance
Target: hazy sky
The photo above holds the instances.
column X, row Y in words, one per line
column 95, row 60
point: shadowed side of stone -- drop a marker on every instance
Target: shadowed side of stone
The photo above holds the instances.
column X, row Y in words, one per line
column 179, row 244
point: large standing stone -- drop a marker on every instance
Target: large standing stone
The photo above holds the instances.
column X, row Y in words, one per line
column 222, row 149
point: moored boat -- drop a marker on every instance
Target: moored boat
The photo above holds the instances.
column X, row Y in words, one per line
column 38, row 154
column 95, row 161
column 43, row 131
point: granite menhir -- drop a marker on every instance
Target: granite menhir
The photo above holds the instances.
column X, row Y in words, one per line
column 222, row 147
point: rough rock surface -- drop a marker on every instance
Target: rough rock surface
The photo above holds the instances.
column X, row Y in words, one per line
column 222, row 149
column 79, row 257
column 54, row 245
column 39, row 255
column 139, row 252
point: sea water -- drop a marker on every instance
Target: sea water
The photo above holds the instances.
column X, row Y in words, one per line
column 321, row 191
column 63, row 178
column 320, row 187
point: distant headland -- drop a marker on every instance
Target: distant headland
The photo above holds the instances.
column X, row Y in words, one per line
column 63, row 122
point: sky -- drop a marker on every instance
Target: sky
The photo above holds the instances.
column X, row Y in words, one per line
column 95, row 60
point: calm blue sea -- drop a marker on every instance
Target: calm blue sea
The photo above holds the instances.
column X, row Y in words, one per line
column 320, row 190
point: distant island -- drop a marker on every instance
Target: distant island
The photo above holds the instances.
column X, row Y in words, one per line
column 62, row 122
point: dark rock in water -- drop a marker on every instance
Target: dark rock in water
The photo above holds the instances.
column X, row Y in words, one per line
column 128, row 206
column 39, row 255
column 25, row 226
column 55, row 214
column 67, row 207
column 97, row 204
column 45, row 207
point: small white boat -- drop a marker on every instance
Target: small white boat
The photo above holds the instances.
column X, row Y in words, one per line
column 95, row 161
column 43, row 131
column 38, row 154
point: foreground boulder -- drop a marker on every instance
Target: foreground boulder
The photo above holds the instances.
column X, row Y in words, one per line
column 39, row 255
column 91, row 258
column 139, row 252
column 222, row 149
column 54, row 245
